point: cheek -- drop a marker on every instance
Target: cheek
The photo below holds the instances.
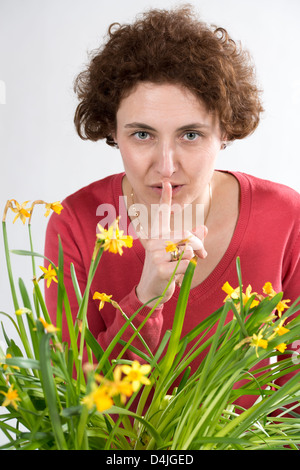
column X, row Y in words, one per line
column 131, row 161
column 210, row 150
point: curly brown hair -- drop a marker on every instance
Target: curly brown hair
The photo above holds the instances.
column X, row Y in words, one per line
column 168, row 46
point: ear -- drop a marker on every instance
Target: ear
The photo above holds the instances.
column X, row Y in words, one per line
column 113, row 139
column 224, row 145
column 224, row 141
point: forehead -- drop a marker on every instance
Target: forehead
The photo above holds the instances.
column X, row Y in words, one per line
column 152, row 101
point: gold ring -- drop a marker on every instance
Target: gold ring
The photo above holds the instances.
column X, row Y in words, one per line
column 175, row 255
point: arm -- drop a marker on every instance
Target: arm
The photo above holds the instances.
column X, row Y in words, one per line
column 106, row 323
column 291, row 290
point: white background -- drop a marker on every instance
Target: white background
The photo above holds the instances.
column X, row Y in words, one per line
column 45, row 43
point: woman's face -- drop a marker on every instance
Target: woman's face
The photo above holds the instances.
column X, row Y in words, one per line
column 165, row 133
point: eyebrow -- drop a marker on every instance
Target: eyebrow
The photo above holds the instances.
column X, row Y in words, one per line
column 140, row 125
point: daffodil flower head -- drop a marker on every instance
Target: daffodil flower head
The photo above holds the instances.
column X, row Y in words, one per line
column 234, row 293
column 281, row 347
column 113, row 239
column 20, row 210
column 11, row 397
column 49, row 274
column 230, row 291
column 118, row 386
column 280, row 329
column 103, row 298
column 99, row 397
column 248, row 294
column 270, row 292
column 48, row 326
column 257, row 341
column 136, row 374
column 281, row 306
column 54, row 206
column 268, row 289
column 173, row 246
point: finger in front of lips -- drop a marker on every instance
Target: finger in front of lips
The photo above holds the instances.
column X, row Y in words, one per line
column 162, row 219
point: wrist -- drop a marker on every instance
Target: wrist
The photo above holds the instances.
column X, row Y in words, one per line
column 144, row 299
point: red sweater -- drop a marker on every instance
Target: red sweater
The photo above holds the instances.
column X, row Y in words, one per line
column 266, row 239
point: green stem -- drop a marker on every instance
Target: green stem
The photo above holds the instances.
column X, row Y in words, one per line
column 82, row 314
column 20, row 322
column 172, row 350
column 9, row 268
column 31, row 248
column 81, row 430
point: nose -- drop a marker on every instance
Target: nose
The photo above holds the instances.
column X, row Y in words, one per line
column 166, row 159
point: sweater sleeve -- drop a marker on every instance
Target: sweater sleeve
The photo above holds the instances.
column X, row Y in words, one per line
column 150, row 330
column 106, row 323
column 291, row 291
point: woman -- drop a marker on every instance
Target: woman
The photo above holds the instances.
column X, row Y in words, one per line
column 171, row 92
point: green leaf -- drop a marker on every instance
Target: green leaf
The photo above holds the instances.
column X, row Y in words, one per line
column 179, row 316
column 23, row 363
column 75, row 284
column 24, row 295
column 147, row 424
column 50, row 391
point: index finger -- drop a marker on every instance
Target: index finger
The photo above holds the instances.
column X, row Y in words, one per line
column 160, row 226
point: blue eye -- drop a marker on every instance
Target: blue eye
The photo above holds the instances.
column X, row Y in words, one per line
column 142, row 135
column 191, row 136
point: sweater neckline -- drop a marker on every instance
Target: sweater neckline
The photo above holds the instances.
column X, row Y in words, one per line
column 225, row 264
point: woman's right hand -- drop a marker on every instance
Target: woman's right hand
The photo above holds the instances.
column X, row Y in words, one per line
column 158, row 266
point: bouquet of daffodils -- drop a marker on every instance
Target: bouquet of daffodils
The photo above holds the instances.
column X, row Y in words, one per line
column 106, row 407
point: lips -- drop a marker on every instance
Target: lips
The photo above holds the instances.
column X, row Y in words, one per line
column 175, row 188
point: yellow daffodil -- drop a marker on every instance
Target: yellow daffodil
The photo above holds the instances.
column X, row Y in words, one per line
column 5, row 366
column 48, row 326
column 270, row 292
column 102, row 297
column 257, row 341
column 280, row 329
column 235, row 294
column 54, row 206
column 99, row 397
column 268, row 289
column 113, row 239
column 173, row 246
column 281, row 306
column 121, row 387
column 49, row 274
column 136, row 374
column 117, row 386
column 230, row 291
column 20, row 210
column 11, row 397
column 281, row 347
column 247, row 296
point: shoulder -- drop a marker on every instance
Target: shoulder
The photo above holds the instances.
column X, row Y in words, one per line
column 97, row 192
column 270, row 195
column 80, row 208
